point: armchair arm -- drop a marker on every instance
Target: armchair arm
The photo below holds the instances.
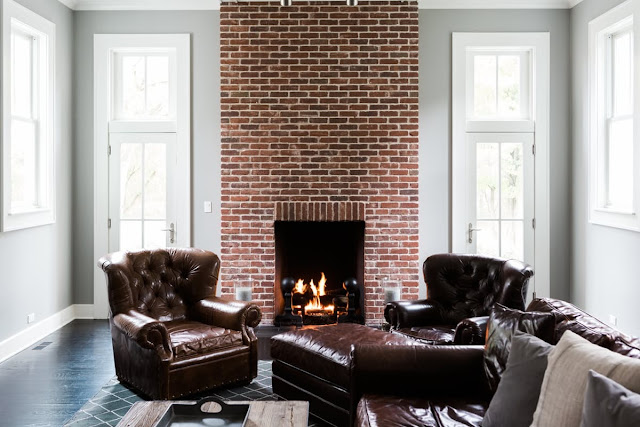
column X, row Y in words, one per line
column 418, row 370
column 146, row 331
column 227, row 313
column 471, row 331
column 404, row 314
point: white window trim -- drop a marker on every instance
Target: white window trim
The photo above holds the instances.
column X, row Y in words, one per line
column 540, row 57
column 37, row 216
column 617, row 17
column 104, row 46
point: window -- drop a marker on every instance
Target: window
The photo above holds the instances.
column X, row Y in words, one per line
column 28, row 136
column 613, row 179
column 499, row 84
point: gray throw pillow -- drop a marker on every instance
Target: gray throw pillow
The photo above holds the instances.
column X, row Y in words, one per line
column 517, row 394
column 608, row 404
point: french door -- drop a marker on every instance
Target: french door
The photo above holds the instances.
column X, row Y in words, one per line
column 501, row 195
column 142, row 202
column 500, row 133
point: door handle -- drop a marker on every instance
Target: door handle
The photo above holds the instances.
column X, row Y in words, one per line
column 172, row 232
column 471, row 230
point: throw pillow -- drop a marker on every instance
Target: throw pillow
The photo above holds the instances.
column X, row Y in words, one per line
column 565, row 380
column 608, row 404
column 502, row 324
column 516, row 398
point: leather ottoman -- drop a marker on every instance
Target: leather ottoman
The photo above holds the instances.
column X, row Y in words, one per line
column 314, row 364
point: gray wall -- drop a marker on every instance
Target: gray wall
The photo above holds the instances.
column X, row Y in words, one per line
column 36, row 276
column 604, row 278
column 436, row 27
column 205, row 125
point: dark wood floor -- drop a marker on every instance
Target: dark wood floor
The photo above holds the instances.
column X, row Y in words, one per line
column 46, row 384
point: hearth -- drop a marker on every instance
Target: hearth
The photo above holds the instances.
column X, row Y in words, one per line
column 319, row 272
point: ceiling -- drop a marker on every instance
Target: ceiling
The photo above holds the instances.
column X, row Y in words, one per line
column 215, row 4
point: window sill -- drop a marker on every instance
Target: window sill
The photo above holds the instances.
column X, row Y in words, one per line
column 615, row 219
column 19, row 220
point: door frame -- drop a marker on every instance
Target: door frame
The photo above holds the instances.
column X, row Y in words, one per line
column 104, row 45
column 539, row 43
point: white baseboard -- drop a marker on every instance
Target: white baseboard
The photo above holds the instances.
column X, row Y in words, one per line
column 34, row 333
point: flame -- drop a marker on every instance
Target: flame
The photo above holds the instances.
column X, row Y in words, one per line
column 299, row 288
column 315, row 304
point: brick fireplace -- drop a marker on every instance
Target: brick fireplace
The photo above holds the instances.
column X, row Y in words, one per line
column 319, row 108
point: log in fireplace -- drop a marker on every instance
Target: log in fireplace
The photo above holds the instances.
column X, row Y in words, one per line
column 319, row 272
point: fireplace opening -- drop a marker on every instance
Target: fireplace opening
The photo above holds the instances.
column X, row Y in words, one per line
column 325, row 262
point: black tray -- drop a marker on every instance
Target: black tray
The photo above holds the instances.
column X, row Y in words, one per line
column 187, row 415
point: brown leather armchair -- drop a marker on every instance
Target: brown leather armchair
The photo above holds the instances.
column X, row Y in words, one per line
column 171, row 335
column 461, row 290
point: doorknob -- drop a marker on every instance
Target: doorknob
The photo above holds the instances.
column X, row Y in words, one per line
column 471, row 230
column 172, row 232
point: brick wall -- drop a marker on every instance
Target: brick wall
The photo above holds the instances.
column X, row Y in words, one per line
column 319, row 105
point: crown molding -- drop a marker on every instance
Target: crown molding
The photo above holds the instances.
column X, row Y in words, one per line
column 142, row 4
column 497, row 4
column 215, row 4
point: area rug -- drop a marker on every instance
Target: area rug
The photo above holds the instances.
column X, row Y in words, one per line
column 113, row 401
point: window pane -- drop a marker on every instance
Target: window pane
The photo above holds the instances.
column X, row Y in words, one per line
column 622, row 74
column 23, row 165
column 509, row 86
column 484, row 85
column 133, row 86
column 154, row 237
column 620, row 165
column 130, row 235
column 157, row 86
column 488, row 238
column 21, row 75
column 487, row 191
column 131, row 181
column 512, row 193
column 155, row 181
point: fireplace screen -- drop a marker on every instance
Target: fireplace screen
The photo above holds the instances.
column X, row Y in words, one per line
column 323, row 263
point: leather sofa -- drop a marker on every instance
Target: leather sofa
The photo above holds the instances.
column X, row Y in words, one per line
column 171, row 335
column 461, row 291
column 446, row 385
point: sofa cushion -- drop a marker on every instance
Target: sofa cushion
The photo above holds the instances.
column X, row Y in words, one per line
column 430, row 334
column 516, row 398
column 608, row 404
column 384, row 411
column 324, row 351
column 503, row 323
column 565, row 380
column 190, row 338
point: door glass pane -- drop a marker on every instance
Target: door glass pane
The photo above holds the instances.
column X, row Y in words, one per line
column 158, row 86
column 155, row 181
column 154, row 237
column 488, row 173
column 488, row 238
column 484, row 85
column 131, row 181
column 23, row 165
column 620, row 165
column 512, row 165
column 509, row 85
column 622, row 74
column 130, row 235
column 512, row 239
column 133, row 86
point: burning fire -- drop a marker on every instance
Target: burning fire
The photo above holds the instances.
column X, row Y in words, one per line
column 315, row 305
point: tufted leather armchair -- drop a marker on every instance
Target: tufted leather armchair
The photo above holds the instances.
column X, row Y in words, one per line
column 461, row 290
column 171, row 335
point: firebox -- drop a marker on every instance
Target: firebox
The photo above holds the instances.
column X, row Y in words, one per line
column 324, row 264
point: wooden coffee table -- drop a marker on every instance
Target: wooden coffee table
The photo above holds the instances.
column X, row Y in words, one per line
column 288, row 413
